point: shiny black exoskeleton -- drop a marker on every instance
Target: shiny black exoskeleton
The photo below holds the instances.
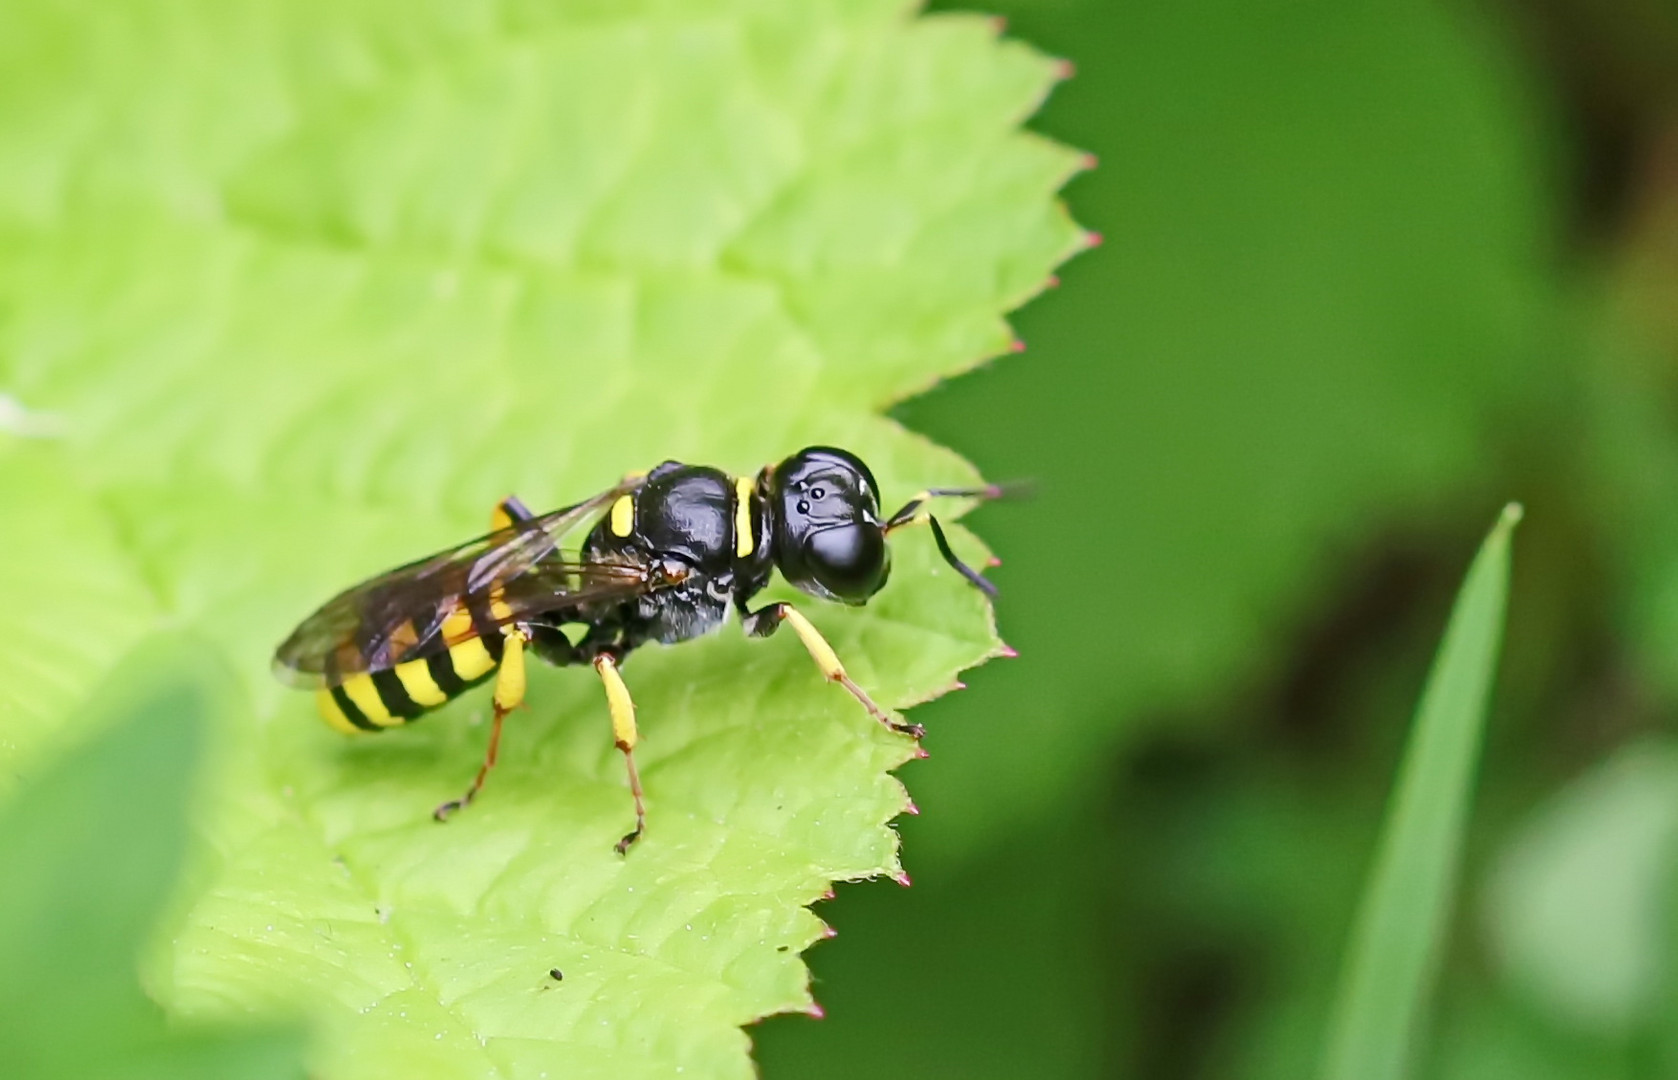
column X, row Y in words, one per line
column 814, row 516
column 673, row 551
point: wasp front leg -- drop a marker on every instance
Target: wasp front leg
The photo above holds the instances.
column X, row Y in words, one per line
column 767, row 620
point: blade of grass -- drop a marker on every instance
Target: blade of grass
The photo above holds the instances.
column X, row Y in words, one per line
column 1402, row 918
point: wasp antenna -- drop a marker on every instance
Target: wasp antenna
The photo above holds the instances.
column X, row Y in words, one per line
column 910, row 513
column 989, row 491
column 961, row 568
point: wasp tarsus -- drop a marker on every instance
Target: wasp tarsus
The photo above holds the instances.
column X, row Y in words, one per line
column 668, row 555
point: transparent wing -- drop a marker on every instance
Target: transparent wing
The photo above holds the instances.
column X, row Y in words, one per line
column 434, row 603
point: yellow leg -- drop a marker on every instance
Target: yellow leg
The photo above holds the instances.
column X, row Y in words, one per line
column 625, row 734
column 828, row 661
column 509, row 694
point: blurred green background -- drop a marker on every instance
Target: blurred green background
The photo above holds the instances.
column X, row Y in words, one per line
column 1370, row 270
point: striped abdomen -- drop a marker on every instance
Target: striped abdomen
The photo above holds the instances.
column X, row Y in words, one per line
column 373, row 702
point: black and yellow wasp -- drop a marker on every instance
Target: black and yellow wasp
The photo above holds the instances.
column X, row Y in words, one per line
column 673, row 549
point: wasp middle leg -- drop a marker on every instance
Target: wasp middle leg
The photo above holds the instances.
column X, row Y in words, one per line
column 625, row 735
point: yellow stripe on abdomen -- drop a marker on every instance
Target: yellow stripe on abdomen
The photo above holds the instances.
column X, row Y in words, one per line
column 360, row 690
column 471, row 659
column 456, row 625
column 421, row 687
column 332, row 714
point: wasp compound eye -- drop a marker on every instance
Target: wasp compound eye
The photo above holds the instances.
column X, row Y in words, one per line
column 849, row 560
column 669, row 552
column 825, row 484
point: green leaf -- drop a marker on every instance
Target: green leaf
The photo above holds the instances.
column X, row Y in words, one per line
column 92, row 847
column 1277, row 362
column 1323, row 274
column 308, row 287
column 1401, row 922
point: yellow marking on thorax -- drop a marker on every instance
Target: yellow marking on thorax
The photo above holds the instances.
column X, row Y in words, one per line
column 417, row 681
column 623, row 515
column 744, row 541
column 498, row 609
column 360, row 690
column 471, row 659
column 332, row 714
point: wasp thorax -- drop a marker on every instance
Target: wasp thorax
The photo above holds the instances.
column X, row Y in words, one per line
column 829, row 539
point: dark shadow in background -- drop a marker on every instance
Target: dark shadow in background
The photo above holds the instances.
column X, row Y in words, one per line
column 1269, row 419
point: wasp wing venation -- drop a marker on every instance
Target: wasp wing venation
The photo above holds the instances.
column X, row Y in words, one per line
column 400, row 615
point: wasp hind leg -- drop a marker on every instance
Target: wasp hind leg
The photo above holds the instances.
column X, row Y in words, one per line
column 766, row 621
column 510, row 511
column 625, row 734
column 509, row 694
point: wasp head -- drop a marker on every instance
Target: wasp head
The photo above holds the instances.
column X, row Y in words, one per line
column 830, row 540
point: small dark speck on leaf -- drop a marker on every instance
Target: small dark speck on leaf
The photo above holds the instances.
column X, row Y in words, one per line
column 556, row 975
column 782, row 948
